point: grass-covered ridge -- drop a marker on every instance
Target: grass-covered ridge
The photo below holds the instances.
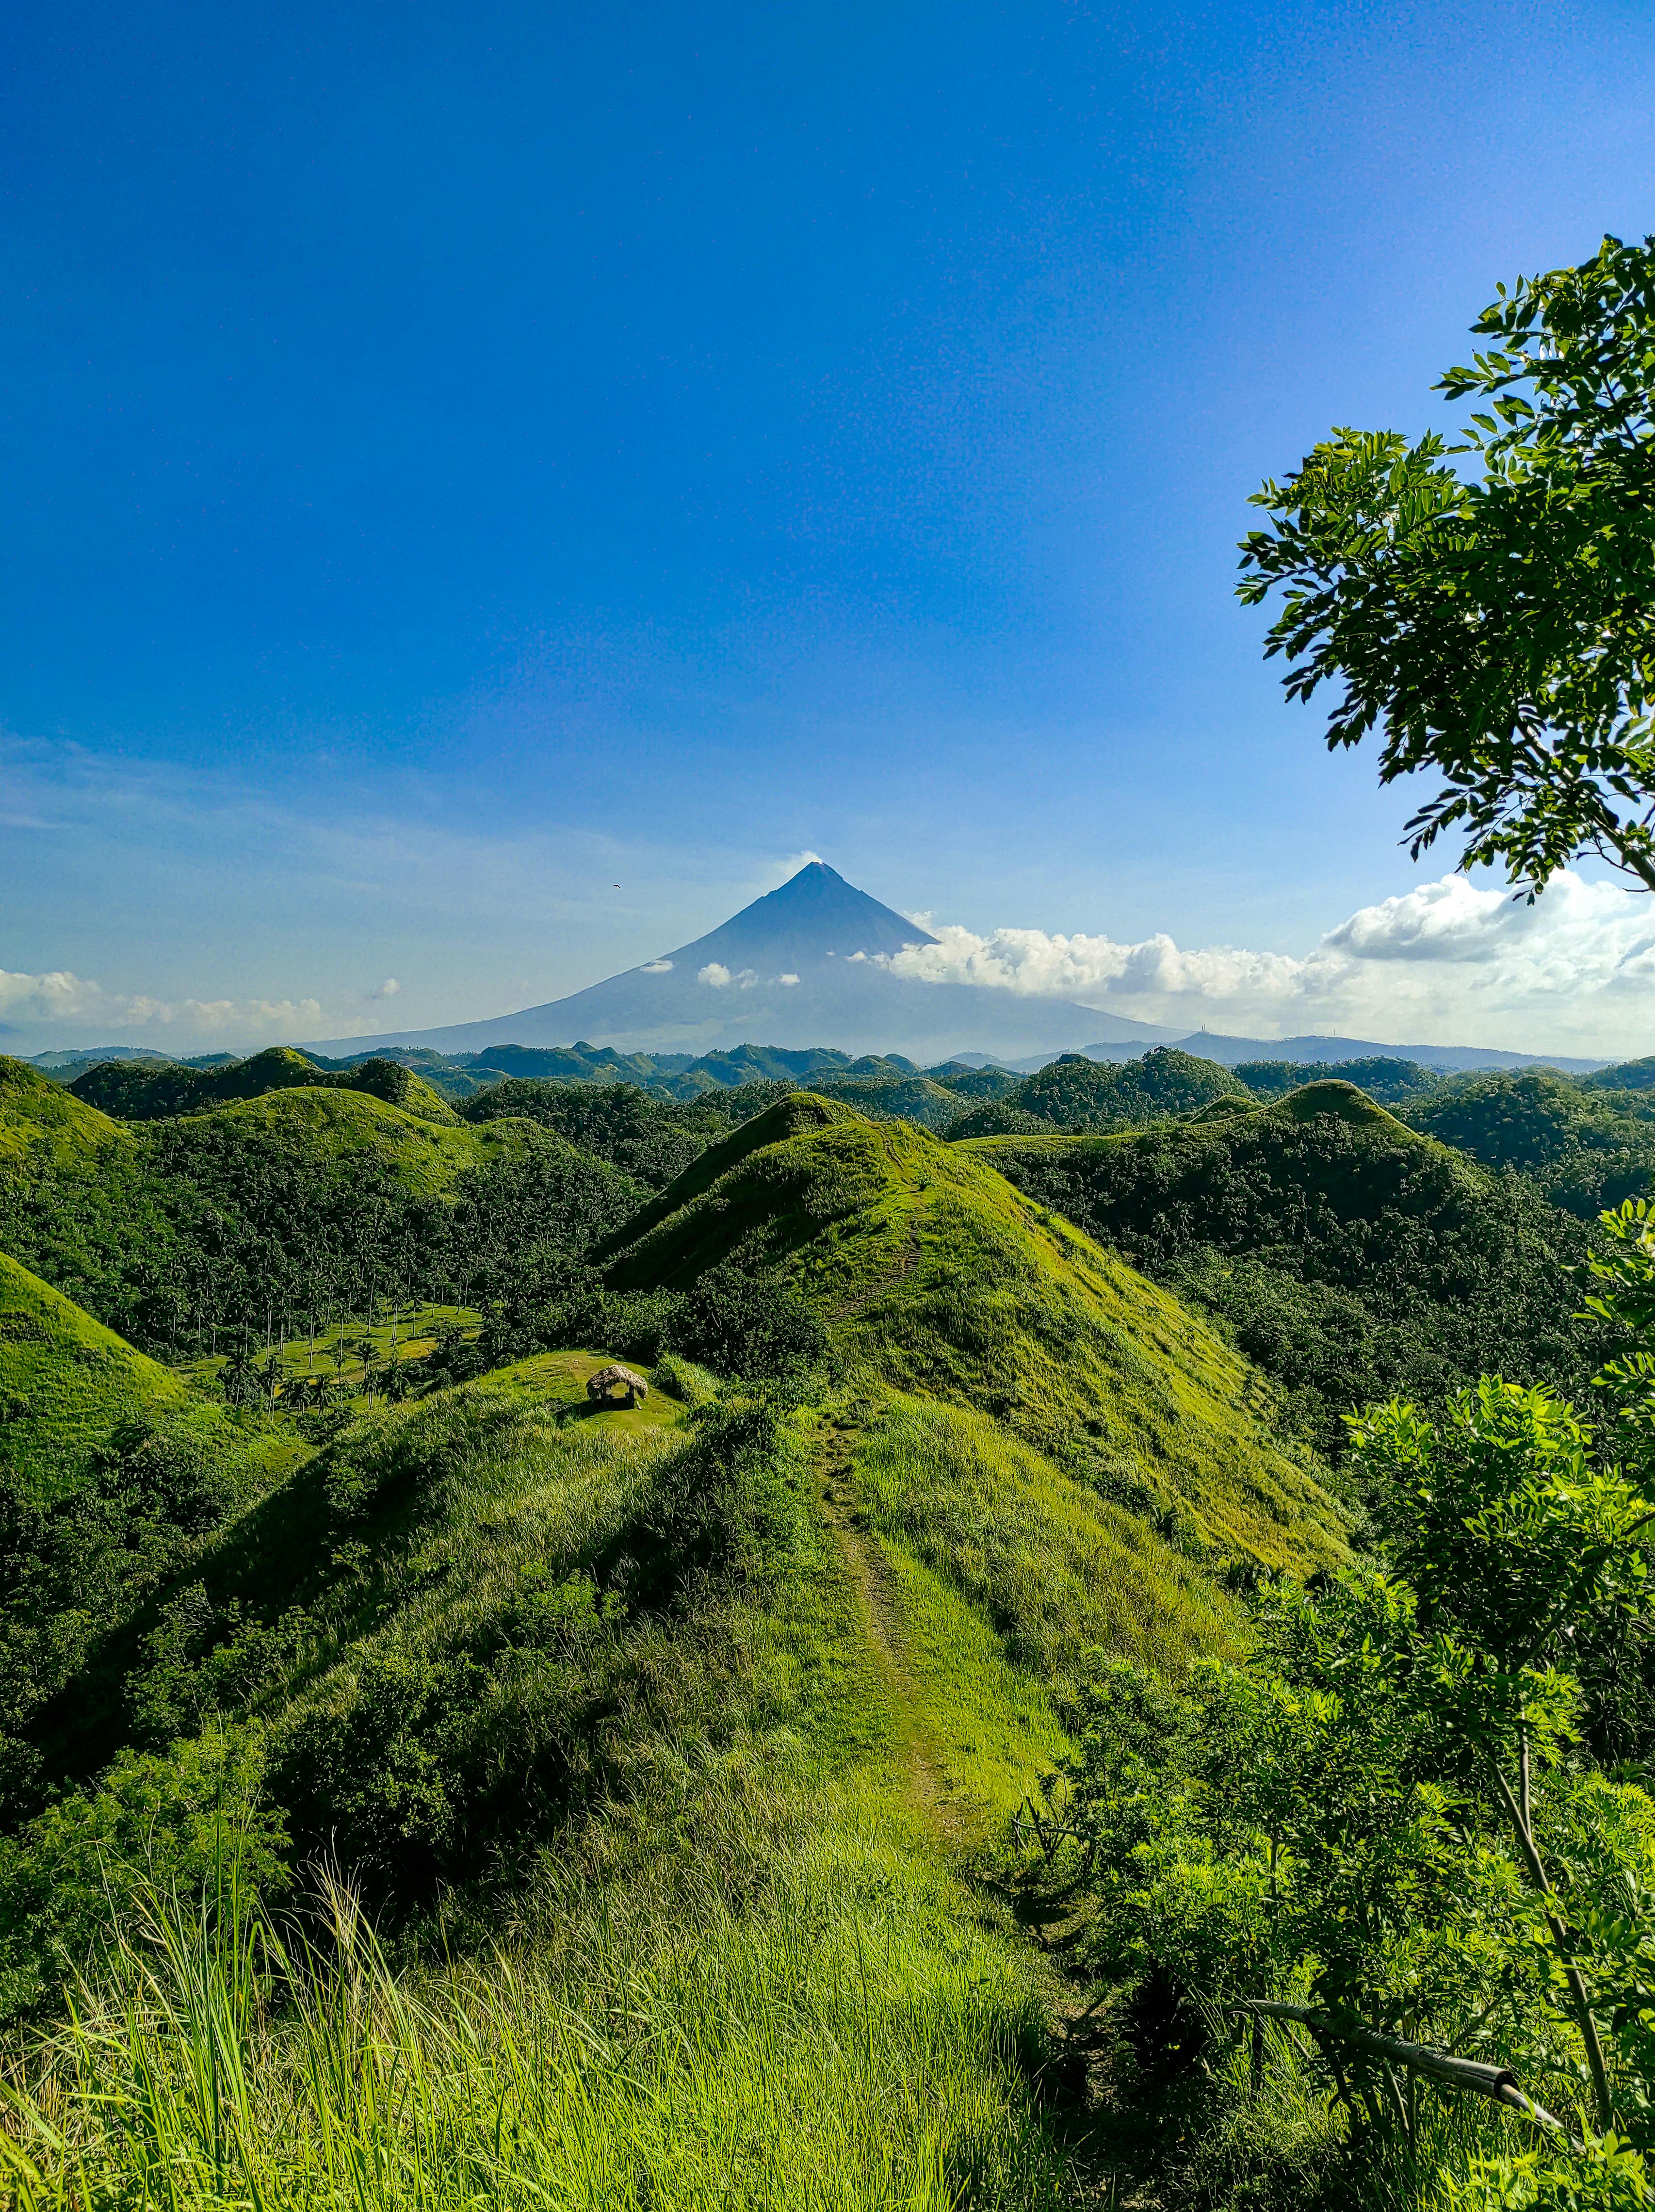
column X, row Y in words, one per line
column 709, row 1947
column 67, row 1384
column 928, row 1267
column 147, row 1091
column 1352, row 1255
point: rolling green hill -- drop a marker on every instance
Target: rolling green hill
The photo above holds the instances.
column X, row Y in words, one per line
column 628, row 1694
column 67, row 1384
column 146, row 1091
column 42, row 1125
column 652, row 1138
column 70, row 1389
column 1352, row 1255
column 80, row 1205
column 267, row 1212
column 1391, row 1082
column 1585, row 1145
column 663, row 1741
column 928, row 1267
column 919, row 1098
column 1075, row 1095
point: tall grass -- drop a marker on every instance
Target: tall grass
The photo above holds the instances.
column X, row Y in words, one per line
column 804, row 2018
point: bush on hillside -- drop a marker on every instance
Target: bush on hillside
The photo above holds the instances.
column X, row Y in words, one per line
column 751, row 1323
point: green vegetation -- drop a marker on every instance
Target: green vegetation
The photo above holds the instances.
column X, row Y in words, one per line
column 300, row 1207
column 699, row 1765
column 918, row 1098
column 1349, row 1255
column 1079, row 1095
column 1532, row 702
column 145, row 1090
column 422, row 1784
column 1585, row 1145
column 1460, row 1874
column 652, row 1138
column 1626, row 1075
column 469, row 1628
column 1392, row 1082
column 70, row 1389
column 927, row 1267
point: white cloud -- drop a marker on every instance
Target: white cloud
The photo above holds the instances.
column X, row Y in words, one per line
column 388, row 989
column 715, row 972
column 1446, row 963
column 41, row 1003
column 56, row 997
column 786, row 979
column 654, row 967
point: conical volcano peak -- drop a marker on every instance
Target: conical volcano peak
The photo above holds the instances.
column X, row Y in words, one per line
column 815, row 915
column 812, row 963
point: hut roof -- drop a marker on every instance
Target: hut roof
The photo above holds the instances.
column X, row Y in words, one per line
column 615, row 1376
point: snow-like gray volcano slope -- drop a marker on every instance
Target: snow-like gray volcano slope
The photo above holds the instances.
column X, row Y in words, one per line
column 795, row 968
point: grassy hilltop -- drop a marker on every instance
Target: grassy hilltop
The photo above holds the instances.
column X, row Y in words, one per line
column 929, row 1267
column 262, row 1213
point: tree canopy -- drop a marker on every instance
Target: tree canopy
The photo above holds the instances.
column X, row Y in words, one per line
column 1496, row 628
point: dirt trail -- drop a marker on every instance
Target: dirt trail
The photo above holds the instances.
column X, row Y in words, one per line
column 876, row 1593
column 903, row 1268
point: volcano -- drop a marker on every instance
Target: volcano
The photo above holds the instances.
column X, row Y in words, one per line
column 801, row 966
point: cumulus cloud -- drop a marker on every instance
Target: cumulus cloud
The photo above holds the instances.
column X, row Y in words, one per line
column 57, row 997
column 656, row 967
column 388, row 989
column 715, row 972
column 786, row 979
column 1444, row 962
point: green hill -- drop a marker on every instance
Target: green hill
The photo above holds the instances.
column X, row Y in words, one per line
column 1352, row 1255
column 652, row 1138
column 41, row 1124
column 146, row 1091
column 931, row 1269
column 1586, row 1147
column 79, row 1204
column 67, row 1384
column 71, row 1389
column 1077, row 1095
column 268, row 1213
column 1625, row 1075
column 685, row 1762
column 907, row 1098
column 692, row 1727
column 1392, row 1082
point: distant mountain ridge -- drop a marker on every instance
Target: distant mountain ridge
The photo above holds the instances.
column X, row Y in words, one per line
column 801, row 967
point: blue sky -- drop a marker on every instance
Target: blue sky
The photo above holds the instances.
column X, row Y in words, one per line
column 484, row 487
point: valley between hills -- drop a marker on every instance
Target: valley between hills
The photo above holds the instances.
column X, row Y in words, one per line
column 691, row 1796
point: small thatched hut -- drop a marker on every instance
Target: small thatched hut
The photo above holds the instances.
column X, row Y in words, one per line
column 616, row 1383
